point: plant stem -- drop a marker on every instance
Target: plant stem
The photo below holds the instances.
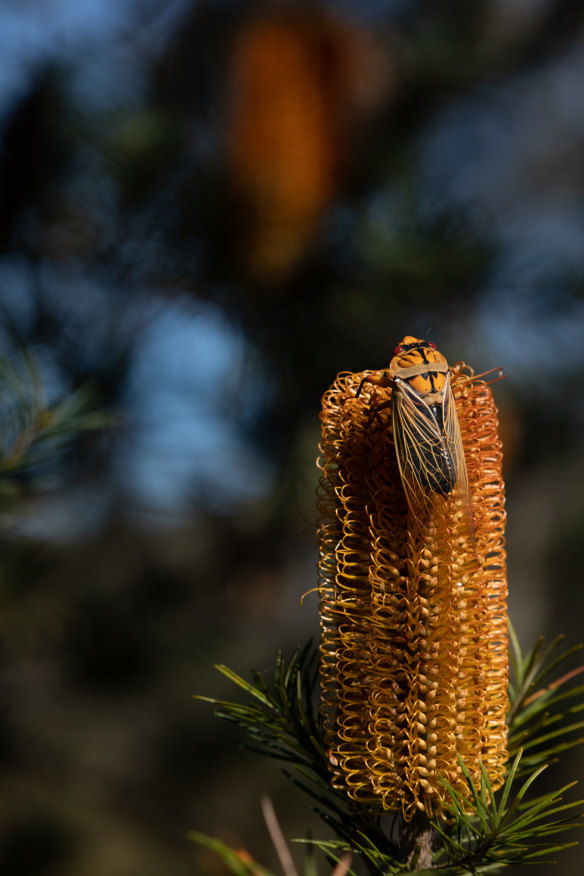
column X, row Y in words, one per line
column 422, row 840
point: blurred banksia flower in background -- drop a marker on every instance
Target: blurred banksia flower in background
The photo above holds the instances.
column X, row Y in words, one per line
column 414, row 666
column 302, row 85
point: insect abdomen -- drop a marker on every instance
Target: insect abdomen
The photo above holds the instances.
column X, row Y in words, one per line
column 436, row 470
column 438, row 473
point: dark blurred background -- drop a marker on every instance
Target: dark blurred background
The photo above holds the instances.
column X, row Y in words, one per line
column 207, row 210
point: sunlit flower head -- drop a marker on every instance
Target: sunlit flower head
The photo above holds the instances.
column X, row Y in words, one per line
column 414, row 660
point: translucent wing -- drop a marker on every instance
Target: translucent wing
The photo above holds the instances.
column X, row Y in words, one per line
column 430, row 453
column 461, row 491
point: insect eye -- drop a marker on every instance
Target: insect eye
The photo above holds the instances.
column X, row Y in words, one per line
column 431, row 344
column 397, row 350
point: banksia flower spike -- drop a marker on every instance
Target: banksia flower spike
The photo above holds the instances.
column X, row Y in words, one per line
column 415, row 714
column 414, row 666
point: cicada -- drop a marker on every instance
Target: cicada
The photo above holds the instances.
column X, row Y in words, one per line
column 426, row 433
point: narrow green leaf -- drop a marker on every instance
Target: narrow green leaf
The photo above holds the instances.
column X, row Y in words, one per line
column 490, row 799
column 550, row 851
column 480, row 807
column 310, row 868
column 544, row 808
column 243, row 684
column 549, row 755
column 508, row 785
column 506, row 816
column 556, row 693
column 543, row 705
column 333, row 853
column 556, row 796
column 233, row 859
column 561, row 731
column 515, row 655
column 561, row 658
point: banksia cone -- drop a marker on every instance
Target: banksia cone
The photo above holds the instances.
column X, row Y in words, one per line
column 414, row 663
column 303, row 83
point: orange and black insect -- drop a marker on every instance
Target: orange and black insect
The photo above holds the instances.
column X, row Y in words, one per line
column 426, row 433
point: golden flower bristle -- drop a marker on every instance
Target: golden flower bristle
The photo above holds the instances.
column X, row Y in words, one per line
column 414, row 662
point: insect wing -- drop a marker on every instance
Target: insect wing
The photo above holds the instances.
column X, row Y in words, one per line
column 461, row 491
column 420, row 447
column 430, row 454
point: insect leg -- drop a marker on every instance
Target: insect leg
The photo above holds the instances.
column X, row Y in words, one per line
column 384, row 379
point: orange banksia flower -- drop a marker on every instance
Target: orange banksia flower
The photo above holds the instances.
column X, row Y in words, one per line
column 413, row 582
column 302, row 83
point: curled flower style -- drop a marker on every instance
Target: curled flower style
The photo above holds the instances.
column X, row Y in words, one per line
column 414, row 664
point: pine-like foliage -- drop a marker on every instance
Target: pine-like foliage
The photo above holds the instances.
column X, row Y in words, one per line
column 34, row 429
column 512, row 825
